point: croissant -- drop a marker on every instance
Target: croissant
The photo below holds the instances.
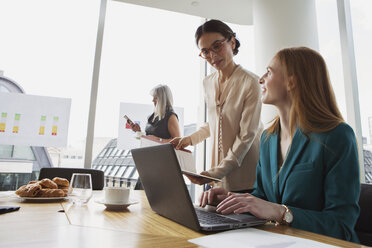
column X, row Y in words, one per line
column 51, row 193
column 61, row 182
column 47, row 183
column 29, row 190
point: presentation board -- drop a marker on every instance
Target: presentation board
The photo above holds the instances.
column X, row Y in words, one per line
column 33, row 120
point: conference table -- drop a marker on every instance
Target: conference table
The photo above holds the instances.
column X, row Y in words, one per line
column 63, row 224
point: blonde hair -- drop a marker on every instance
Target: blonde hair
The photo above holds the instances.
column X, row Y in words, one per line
column 164, row 100
column 314, row 107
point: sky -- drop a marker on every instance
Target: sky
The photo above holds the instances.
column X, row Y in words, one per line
column 48, row 46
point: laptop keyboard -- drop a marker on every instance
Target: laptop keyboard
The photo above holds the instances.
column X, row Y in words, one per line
column 212, row 218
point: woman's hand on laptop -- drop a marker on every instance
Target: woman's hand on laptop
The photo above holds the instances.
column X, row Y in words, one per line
column 213, row 196
column 241, row 203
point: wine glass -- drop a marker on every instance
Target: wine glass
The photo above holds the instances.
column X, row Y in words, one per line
column 80, row 188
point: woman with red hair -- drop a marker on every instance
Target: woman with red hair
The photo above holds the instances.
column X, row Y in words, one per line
column 307, row 175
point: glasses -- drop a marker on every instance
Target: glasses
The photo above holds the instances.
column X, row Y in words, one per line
column 216, row 47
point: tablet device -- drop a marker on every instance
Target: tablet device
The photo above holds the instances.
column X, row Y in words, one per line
column 201, row 176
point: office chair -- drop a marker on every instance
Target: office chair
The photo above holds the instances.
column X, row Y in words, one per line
column 98, row 177
column 363, row 226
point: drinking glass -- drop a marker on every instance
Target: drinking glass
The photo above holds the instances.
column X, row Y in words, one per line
column 80, row 188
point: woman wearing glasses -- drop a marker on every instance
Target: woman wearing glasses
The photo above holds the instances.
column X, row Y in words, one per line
column 234, row 123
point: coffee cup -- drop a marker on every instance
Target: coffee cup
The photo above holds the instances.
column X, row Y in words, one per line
column 117, row 195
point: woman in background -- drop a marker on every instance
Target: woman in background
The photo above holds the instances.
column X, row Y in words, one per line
column 232, row 94
column 308, row 171
column 163, row 123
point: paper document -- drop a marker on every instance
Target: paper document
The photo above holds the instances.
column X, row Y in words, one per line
column 252, row 237
column 185, row 158
column 186, row 161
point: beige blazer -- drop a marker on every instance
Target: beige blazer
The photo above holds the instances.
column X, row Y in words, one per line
column 240, row 127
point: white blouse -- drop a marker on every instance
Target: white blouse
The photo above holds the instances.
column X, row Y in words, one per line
column 235, row 128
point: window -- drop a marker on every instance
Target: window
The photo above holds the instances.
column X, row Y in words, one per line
column 114, row 152
column 135, row 175
column 113, row 172
column 101, row 154
column 108, row 170
column 330, row 48
column 121, row 171
column 362, row 34
column 128, row 172
column 23, row 152
column 6, row 151
column 17, row 152
column 139, row 53
column 118, row 153
column 48, row 48
column 108, row 152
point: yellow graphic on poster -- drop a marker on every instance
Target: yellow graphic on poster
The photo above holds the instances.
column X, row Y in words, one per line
column 55, row 125
column 42, row 125
column 2, row 122
column 17, row 118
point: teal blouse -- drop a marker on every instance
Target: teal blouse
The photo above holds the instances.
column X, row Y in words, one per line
column 319, row 180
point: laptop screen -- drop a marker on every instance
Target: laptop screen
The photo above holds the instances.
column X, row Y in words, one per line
column 164, row 185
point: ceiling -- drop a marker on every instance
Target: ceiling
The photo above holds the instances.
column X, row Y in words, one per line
column 232, row 11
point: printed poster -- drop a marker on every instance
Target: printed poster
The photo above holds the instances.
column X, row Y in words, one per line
column 31, row 120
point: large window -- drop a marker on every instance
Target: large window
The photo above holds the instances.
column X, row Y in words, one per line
column 330, row 47
column 362, row 34
column 329, row 41
column 139, row 53
column 47, row 47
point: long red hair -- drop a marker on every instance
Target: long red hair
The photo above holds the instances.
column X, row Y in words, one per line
column 314, row 107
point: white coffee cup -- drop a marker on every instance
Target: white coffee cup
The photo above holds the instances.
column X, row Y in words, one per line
column 117, row 195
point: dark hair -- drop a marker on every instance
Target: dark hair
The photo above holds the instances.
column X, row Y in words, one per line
column 216, row 26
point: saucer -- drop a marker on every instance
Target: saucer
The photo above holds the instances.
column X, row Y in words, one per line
column 116, row 206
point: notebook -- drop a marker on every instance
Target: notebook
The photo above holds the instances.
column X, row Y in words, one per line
column 168, row 196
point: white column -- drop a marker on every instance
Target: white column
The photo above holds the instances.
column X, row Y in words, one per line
column 279, row 24
column 94, row 89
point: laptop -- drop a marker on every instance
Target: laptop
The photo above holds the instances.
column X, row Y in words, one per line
column 168, row 196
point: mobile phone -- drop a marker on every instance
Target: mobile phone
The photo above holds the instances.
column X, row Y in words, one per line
column 128, row 120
